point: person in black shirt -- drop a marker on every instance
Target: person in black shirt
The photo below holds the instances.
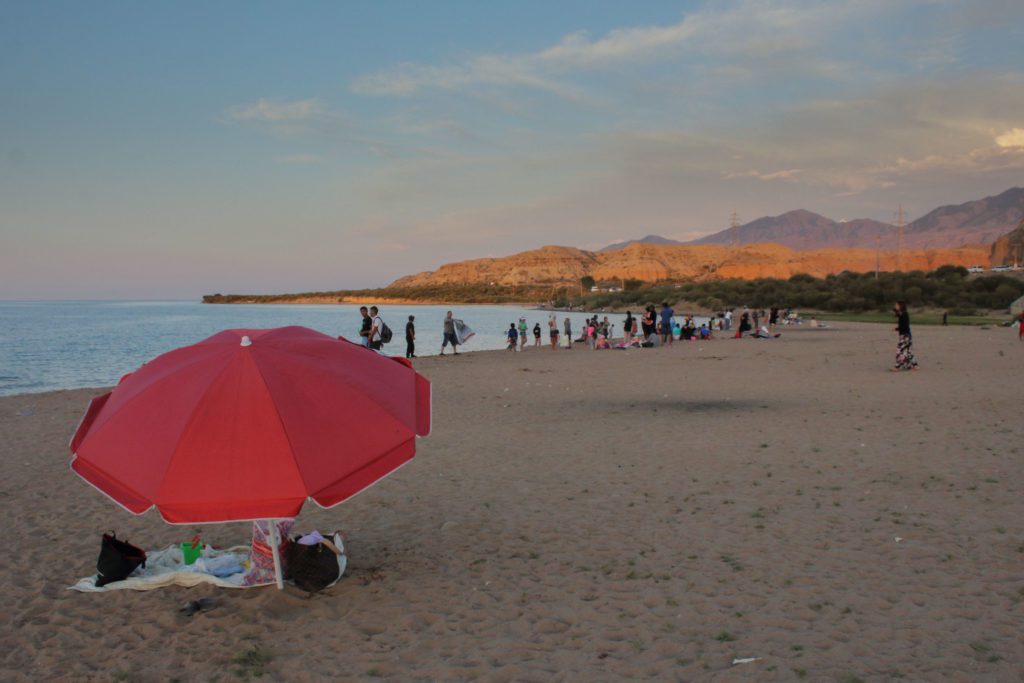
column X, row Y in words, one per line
column 904, row 348
column 364, row 330
column 410, row 338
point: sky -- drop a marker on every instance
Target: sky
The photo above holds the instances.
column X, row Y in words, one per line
column 170, row 150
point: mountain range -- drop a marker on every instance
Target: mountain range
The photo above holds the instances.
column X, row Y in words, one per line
column 980, row 221
column 973, row 233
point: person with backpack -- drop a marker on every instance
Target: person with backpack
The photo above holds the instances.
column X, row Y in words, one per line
column 376, row 335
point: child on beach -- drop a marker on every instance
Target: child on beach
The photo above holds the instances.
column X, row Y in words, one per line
column 536, row 334
column 513, row 337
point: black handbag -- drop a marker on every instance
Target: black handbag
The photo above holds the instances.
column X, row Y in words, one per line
column 117, row 560
column 312, row 567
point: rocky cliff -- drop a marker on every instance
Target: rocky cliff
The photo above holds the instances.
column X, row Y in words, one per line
column 1008, row 250
column 659, row 263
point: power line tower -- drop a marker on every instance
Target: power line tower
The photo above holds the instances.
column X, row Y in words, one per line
column 878, row 252
column 900, row 225
column 734, row 224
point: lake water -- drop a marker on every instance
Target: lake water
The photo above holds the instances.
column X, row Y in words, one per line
column 70, row 344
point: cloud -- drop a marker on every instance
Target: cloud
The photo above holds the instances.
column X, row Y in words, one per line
column 271, row 111
column 1011, row 138
column 334, row 128
column 786, row 174
column 751, row 31
column 300, row 159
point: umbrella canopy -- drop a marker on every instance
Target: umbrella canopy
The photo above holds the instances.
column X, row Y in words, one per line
column 248, row 424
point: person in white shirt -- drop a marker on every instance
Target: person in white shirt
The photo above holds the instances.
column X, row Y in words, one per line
column 375, row 328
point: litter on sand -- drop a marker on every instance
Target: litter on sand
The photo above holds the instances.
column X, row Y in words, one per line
column 744, row 660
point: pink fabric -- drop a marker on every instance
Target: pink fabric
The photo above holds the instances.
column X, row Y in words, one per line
column 261, row 557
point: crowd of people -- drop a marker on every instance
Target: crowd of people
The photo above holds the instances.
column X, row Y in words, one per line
column 654, row 327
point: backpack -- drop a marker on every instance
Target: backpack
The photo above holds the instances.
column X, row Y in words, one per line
column 385, row 332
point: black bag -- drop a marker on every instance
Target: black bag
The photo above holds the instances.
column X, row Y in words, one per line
column 312, row 567
column 117, row 560
column 385, row 333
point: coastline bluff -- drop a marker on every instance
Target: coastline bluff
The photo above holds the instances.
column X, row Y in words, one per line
column 1008, row 250
column 556, row 265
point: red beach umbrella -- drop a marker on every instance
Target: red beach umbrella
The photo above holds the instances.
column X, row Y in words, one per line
column 248, row 424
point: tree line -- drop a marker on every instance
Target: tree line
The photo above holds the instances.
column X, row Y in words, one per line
column 950, row 288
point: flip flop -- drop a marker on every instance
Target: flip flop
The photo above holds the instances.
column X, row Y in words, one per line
column 200, row 605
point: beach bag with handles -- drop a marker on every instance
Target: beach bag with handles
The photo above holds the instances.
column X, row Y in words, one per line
column 117, row 560
column 315, row 567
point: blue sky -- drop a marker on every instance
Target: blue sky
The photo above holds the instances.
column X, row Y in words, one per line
column 169, row 150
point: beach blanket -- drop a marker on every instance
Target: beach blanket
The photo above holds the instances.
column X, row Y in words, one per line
column 167, row 568
column 462, row 331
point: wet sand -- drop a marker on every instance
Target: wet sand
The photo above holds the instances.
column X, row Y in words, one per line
column 596, row 516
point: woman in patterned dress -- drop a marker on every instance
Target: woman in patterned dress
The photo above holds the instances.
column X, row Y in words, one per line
column 904, row 348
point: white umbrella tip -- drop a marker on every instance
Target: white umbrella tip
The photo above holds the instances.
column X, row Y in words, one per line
column 246, row 341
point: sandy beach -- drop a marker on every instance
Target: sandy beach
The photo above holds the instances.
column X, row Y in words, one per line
column 595, row 516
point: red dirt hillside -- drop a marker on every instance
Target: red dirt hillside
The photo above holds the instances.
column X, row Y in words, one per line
column 653, row 263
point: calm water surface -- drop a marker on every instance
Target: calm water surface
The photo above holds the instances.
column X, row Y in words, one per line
column 66, row 345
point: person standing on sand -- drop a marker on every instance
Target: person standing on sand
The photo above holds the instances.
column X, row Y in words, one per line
column 536, row 334
column 568, row 333
column 1020, row 326
column 410, row 338
column 647, row 324
column 666, row 323
column 904, row 348
column 376, row 325
column 449, row 335
column 744, row 325
column 512, row 336
column 522, row 334
column 365, row 325
column 627, row 328
column 553, row 331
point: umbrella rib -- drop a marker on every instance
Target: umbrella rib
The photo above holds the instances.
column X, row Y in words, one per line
column 284, row 429
column 188, row 424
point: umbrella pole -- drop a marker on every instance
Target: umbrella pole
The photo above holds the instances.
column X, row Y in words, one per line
column 277, row 554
